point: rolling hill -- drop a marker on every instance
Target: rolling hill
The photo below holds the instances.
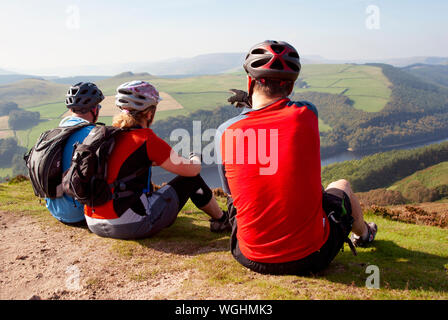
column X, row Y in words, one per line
column 430, row 177
column 5, row 72
column 428, row 184
column 10, row 78
column 76, row 79
column 436, row 74
column 32, row 92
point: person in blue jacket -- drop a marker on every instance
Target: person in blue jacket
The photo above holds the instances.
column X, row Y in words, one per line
column 83, row 99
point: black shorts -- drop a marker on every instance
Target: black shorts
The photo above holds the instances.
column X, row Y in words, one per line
column 333, row 200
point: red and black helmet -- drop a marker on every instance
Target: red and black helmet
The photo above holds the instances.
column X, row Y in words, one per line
column 273, row 60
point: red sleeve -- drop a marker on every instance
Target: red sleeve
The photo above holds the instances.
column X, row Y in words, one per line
column 158, row 150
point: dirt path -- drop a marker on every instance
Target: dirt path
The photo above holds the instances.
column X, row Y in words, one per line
column 57, row 262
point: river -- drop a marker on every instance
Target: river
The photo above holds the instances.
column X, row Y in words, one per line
column 211, row 177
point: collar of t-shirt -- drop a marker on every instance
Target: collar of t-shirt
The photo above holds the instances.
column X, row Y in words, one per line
column 71, row 121
column 269, row 106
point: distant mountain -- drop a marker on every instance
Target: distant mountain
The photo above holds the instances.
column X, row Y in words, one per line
column 396, row 62
column 401, row 62
column 10, row 78
column 436, row 74
column 31, row 92
column 223, row 62
column 129, row 74
column 3, row 72
column 203, row 64
column 76, row 79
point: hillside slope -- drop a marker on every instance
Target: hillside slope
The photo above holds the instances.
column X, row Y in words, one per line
column 436, row 74
column 187, row 261
column 32, row 92
column 431, row 177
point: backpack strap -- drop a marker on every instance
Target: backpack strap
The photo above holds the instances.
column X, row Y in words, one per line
column 345, row 231
column 121, row 184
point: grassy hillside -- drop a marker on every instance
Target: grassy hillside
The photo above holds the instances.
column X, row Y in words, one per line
column 431, row 177
column 436, row 74
column 427, row 185
column 32, row 92
column 412, row 259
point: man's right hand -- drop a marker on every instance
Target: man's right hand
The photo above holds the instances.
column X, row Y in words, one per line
column 240, row 99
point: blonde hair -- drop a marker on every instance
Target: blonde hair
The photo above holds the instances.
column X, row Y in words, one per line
column 128, row 120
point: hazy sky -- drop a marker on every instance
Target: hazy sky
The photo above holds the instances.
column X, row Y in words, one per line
column 52, row 33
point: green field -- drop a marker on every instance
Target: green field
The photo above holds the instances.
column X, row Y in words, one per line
column 50, row 110
column 365, row 85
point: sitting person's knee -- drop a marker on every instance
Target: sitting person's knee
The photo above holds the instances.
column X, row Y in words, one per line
column 341, row 184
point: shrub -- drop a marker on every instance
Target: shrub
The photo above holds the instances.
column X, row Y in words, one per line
column 381, row 197
column 22, row 119
column 417, row 192
column 7, row 107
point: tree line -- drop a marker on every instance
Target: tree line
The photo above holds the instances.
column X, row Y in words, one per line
column 19, row 119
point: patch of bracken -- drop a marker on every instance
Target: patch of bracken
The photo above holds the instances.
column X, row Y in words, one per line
column 411, row 214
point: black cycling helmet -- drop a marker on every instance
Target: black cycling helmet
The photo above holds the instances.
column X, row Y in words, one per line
column 273, row 60
column 83, row 96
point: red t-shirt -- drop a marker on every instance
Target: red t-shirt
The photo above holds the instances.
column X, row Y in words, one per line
column 133, row 150
column 275, row 180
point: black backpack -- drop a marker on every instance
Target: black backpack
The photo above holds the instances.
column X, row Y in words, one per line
column 86, row 179
column 44, row 161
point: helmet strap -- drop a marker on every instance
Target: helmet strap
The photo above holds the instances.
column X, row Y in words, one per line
column 95, row 114
column 250, row 85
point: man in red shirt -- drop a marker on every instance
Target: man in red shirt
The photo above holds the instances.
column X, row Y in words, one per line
column 269, row 160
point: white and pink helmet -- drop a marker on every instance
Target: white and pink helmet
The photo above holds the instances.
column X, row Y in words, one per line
column 136, row 96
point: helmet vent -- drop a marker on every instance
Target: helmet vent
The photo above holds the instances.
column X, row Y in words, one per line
column 292, row 66
column 260, row 62
column 84, row 91
column 123, row 101
column 138, row 103
column 277, row 65
column 122, row 91
column 87, row 101
column 277, row 48
column 293, row 55
column 141, row 97
column 258, row 51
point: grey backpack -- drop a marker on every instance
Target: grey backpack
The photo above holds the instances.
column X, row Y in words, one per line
column 44, row 161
